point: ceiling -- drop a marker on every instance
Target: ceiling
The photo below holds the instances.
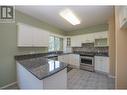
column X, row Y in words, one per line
column 89, row 15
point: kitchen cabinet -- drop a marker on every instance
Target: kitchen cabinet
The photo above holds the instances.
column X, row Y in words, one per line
column 75, row 41
column 29, row 36
column 40, row 38
column 24, row 36
column 68, row 42
column 102, row 42
column 67, row 45
column 88, row 38
column 67, row 50
column 72, row 59
column 102, row 64
column 64, row 58
column 26, row 80
column 100, row 35
column 123, row 16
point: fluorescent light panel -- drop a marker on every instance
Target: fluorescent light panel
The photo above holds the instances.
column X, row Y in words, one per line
column 70, row 17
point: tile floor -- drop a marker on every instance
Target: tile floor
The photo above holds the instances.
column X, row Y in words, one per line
column 81, row 79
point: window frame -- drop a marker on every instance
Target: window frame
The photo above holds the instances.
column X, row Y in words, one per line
column 61, row 39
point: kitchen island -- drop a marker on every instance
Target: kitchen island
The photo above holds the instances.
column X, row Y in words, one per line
column 41, row 73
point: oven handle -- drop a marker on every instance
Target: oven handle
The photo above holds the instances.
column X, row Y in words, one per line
column 85, row 57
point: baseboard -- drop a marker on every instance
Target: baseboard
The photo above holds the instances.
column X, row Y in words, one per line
column 100, row 72
column 111, row 76
column 8, row 85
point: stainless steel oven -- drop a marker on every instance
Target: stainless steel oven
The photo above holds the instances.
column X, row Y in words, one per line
column 87, row 62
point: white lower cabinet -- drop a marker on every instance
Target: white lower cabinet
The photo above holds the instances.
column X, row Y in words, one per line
column 26, row 80
column 102, row 64
column 72, row 59
column 64, row 58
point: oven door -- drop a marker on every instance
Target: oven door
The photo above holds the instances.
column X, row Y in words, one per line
column 84, row 60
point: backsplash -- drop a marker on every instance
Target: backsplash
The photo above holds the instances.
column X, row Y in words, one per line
column 89, row 47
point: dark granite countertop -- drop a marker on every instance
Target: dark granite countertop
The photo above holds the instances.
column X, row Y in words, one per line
column 45, row 55
column 51, row 55
column 102, row 54
column 42, row 67
column 55, row 55
column 92, row 53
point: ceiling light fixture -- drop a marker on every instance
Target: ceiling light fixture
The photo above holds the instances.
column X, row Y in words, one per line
column 70, row 17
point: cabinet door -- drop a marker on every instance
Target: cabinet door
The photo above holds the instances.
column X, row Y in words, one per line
column 61, row 58
column 102, row 64
column 40, row 38
column 29, row 36
column 64, row 58
column 74, row 60
column 73, row 41
column 37, row 37
column 25, row 34
column 98, row 63
column 89, row 38
column 105, row 65
column 76, row 41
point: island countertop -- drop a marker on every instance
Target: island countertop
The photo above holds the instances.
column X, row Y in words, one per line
column 42, row 67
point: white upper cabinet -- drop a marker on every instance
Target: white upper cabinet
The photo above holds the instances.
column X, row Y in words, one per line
column 88, row 38
column 24, row 36
column 102, row 42
column 29, row 36
column 123, row 16
column 76, row 41
column 40, row 38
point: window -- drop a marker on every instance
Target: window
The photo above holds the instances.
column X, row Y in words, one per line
column 51, row 43
column 55, row 43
